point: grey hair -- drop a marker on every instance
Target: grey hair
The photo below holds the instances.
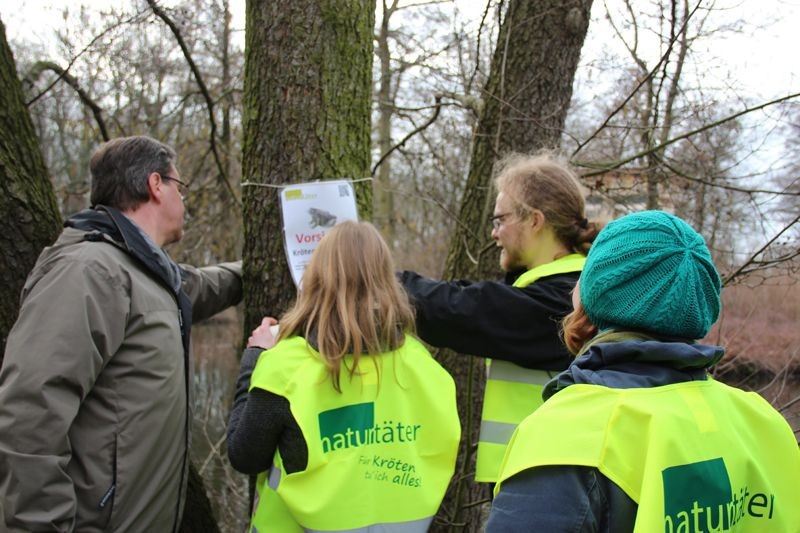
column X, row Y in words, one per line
column 120, row 168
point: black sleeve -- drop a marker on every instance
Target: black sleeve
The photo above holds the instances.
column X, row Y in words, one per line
column 494, row 319
column 260, row 421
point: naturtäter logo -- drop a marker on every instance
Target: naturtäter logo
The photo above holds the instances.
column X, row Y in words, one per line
column 354, row 425
column 698, row 498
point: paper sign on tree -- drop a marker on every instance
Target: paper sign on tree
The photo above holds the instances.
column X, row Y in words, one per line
column 309, row 211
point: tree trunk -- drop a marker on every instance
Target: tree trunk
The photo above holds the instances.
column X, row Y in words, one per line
column 383, row 212
column 27, row 200
column 526, row 100
column 306, row 116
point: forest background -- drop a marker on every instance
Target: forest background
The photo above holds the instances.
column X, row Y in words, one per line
column 689, row 106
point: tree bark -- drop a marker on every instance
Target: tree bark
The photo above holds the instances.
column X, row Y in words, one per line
column 306, row 116
column 526, row 96
column 383, row 212
column 27, row 201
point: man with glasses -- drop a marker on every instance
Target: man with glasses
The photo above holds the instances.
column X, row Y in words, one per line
column 95, row 388
column 540, row 227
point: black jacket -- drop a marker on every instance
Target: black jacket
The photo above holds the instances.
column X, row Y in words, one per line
column 495, row 319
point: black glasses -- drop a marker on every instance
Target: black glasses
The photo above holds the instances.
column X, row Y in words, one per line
column 497, row 220
column 183, row 188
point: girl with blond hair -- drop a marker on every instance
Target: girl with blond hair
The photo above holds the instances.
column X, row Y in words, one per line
column 345, row 414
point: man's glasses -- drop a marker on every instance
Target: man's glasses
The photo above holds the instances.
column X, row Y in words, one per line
column 497, row 220
column 183, row 188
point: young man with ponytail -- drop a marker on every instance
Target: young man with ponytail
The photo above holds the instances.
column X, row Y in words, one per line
column 540, row 226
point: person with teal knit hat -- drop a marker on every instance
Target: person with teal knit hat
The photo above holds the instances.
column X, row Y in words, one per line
column 651, row 271
column 641, row 437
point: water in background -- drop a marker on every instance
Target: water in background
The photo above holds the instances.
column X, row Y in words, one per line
column 215, row 348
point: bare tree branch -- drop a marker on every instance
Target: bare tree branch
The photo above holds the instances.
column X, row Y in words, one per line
column 160, row 13
column 721, row 185
column 40, row 66
column 730, row 277
column 79, row 54
column 603, row 168
column 644, row 80
column 421, row 4
column 437, row 108
column 398, row 108
column 478, row 47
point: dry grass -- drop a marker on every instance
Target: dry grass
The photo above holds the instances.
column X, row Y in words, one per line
column 760, row 330
column 760, row 326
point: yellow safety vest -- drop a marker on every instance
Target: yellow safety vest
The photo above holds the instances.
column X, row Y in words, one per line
column 513, row 392
column 380, row 453
column 695, row 456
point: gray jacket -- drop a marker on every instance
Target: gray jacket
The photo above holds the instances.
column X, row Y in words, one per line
column 95, row 389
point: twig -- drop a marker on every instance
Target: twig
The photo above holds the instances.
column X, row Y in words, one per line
column 203, row 90
column 725, row 186
column 476, row 503
column 729, row 277
column 79, row 54
column 437, row 107
column 70, row 80
column 214, row 452
column 478, row 47
column 602, row 169
column 635, row 90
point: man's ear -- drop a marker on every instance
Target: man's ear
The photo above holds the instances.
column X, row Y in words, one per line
column 536, row 220
column 155, row 185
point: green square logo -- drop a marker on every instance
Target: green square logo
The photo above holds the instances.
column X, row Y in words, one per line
column 346, row 426
column 294, row 194
column 697, row 496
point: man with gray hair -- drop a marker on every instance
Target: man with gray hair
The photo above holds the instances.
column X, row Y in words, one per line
column 95, row 388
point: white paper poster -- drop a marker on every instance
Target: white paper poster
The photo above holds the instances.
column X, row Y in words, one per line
column 309, row 211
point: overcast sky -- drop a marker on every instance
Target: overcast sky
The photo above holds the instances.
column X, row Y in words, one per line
column 758, row 64
column 764, row 60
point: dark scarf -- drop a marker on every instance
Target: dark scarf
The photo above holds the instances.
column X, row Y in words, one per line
column 625, row 360
column 112, row 222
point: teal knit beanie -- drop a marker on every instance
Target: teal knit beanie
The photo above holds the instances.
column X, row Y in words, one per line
column 651, row 271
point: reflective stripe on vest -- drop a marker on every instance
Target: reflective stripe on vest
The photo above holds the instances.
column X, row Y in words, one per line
column 384, row 447
column 694, row 456
column 414, row 526
column 513, row 392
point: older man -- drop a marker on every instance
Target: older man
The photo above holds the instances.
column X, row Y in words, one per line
column 95, row 387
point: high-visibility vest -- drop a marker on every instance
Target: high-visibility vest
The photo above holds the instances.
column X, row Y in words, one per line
column 513, row 392
column 695, row 456
column 380, row 453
